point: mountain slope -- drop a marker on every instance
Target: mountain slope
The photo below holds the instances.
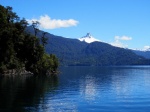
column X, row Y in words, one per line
column 76, row 52
column 145, row 54
column 105, row 54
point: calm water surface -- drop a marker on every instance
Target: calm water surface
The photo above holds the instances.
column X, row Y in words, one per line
column 79, row 89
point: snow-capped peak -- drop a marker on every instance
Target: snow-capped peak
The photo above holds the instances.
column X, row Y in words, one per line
column 88, row 38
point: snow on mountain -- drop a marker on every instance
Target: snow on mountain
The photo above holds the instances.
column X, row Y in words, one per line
column 88, row 38
column 145, row 49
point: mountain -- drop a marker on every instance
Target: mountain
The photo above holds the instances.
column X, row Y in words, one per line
column 75, row 52
column 88, row 38
column 93, row 53
column 145, row 54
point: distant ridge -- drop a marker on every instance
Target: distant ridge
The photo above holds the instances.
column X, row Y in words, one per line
column 72, row 52
column 145, row 53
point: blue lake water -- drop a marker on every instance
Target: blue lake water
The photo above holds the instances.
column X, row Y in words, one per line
column 79, row 89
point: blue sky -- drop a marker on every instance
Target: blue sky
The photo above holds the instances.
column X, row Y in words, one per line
column 124, row 23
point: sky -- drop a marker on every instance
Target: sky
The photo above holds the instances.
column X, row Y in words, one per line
column 123, row 23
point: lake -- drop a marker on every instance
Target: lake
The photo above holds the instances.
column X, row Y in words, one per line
column 79, row 89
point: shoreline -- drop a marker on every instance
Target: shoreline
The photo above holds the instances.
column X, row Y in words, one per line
column 14, row 72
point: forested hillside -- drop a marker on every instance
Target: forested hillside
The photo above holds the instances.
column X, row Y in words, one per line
column 75, row 52
column 145, row 54
column 20, row 50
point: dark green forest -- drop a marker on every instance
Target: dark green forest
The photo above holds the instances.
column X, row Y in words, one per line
column 73, row 52
column 21, row 50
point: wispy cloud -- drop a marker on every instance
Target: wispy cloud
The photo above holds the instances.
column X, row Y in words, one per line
column 118, row 41
column 47, row 23
column 146, row 48
column 123, row 38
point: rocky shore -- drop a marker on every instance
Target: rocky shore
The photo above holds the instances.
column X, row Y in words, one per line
column 14, row 72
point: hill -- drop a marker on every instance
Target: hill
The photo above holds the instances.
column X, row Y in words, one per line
column 145, row 54
column 76, row 52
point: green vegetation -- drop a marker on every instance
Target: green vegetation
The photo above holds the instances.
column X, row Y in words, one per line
column 75, row 53
column 19, row 49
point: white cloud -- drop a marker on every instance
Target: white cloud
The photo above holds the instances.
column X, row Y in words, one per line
column 146, row 48
column 123, row 38
column 117, row 42
column 47, row 23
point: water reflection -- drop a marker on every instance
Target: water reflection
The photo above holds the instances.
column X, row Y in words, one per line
column 129, row 82
column 20, row 93
column 85, row 89
column 88, row 87
column 111, row 88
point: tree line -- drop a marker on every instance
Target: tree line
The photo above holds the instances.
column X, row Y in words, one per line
column 19, row 49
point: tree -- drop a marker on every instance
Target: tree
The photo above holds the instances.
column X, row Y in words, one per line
column 8, row 37
column 35, row 25
column 44, row 39
column 19, row 49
